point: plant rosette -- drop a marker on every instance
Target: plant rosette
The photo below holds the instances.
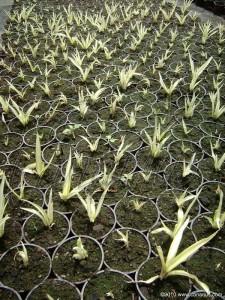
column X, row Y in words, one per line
column 52, row 175
column 174, row 177
column 208, row 197
column 99, row 229
column 217, row 143
column 181, row 103
column 10, row 141
column 29, row 193
column 127, row 163
column 149, row 187
column 164, row 240
column 125, row 249
column 148, row 163
column 109, row 284
column 15, row 274
column 136, row 212
column 166, row 203
column 171, row 287
column 201, row 295
column 70, row 133
column 184, row 149
column 34, row 231
column 131, row 138
column 193, row 134
column 206, row 166
column 55, row 288
column 209, row 265
column 167, row 122
column 12, row 235
column 46, row 133
column 8, row 293
column 102, row 148
column 212, row 128
column 66, row 266
column 202, row 228
column 75, row 117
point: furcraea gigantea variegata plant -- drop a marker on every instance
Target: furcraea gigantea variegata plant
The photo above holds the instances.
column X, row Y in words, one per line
column 171, row 262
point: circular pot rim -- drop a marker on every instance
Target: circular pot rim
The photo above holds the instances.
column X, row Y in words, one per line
column 73, row 238
column 52, row 279
column 11, row 289
column 52, row 246
column 137, row 231
column 148, row 200
column 31, row 245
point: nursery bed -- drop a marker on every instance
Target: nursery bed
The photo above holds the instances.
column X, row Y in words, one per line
column 160, row 133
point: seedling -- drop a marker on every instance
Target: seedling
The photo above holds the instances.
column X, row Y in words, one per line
column 46, row 215
column 80, row 252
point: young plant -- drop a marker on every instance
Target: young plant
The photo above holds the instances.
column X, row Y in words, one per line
column 82, row 104
column 196, row 72
column 125, row 76
column 170, row 263
column 23, row 255
column 121, row 150
column 67, row 192
column 46, row 215
column 39, row 167
column 173, row 85
column 3, row 204
column 23, row 117
column 218, row 219
column 80, row 252
column 93, row 209
column 187, row 168
column 190, row 106
column 93, row 146
column 124, row 238
column 20, row 94
column 137, row 205
column 218, row 162
column 207, row 31
column 217, row 109
column 5, row 104
column 94, row 96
